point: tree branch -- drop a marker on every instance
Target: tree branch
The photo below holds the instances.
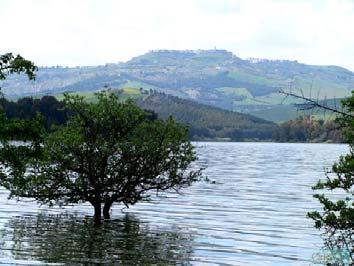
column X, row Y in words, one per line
column 312, row 104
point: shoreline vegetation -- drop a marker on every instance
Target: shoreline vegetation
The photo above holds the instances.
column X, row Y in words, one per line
column 205, row 123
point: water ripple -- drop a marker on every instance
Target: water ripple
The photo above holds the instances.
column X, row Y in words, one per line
column 254, row 214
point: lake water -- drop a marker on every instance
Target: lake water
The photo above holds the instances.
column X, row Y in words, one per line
column 254, row 213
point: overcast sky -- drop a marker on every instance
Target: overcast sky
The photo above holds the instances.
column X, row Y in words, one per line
column 91, row 32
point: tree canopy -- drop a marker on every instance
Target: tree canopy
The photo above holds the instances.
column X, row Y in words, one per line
column 9, row 64
column 107, row 152
column 52, row 110
column 308, row 129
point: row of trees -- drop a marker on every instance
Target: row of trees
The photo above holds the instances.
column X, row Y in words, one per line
column 52, row 110
column 204, row 122
column 308, row 129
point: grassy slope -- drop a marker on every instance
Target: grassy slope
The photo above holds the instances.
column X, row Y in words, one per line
column 126, row 93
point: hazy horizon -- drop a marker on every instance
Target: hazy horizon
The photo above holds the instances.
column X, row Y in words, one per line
column 85, row 33
column 153, row 50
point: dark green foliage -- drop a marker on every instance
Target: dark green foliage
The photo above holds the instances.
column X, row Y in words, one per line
column 10, row 64
column 107, row 152
column 307, row 129
column 17, row 129
column 337, row 216
column 21, row 129
column 206, row 122
column 52, row 110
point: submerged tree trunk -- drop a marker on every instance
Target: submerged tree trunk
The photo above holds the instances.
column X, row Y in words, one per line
column 98, row 213
column 106, row 208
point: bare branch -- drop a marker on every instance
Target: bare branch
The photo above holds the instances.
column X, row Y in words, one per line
column 310, row 104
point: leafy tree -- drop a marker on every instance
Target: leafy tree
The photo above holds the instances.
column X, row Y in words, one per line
column 107, row 152
column 10, row 64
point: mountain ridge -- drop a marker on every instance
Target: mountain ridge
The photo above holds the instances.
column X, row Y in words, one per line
column 213, row 77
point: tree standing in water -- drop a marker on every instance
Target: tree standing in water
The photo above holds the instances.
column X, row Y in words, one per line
column 107, row 152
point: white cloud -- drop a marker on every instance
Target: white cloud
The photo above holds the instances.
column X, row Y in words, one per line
column 88, row 32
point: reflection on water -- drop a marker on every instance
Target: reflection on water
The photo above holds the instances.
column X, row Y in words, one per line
column 71, row 239
column 254, row 214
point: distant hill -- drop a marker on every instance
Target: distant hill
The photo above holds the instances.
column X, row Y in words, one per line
column 206, row 122
column 212, row 77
